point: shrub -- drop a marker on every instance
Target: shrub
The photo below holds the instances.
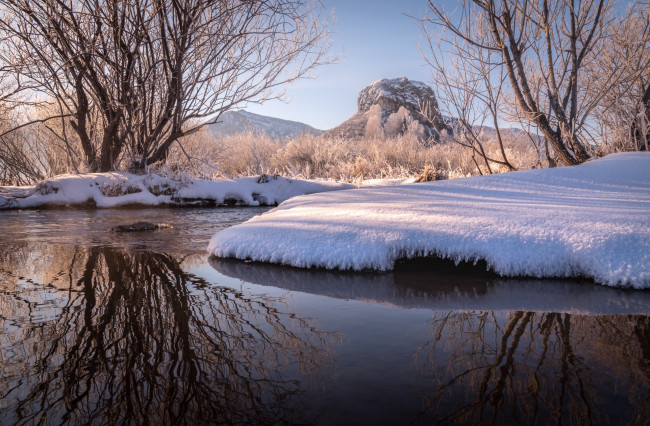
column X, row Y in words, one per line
column 310, row 156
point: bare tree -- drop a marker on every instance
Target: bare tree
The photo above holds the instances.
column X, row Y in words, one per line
column 29, row 154
column 624, row 112
column 527, row 367
column 469, row 80
column 543, row 44
column 136, row 76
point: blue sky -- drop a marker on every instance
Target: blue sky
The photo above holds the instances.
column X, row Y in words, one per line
column 376, row 40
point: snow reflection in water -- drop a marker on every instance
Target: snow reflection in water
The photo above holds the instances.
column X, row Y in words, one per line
column 101, row 328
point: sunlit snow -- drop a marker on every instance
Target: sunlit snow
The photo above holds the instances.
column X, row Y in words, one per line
column 590, row 220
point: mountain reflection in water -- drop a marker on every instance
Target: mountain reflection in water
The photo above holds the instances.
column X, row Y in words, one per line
column 112, row 337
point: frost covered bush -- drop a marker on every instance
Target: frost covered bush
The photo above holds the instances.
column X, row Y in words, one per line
column 311, row 157
column 203, row 155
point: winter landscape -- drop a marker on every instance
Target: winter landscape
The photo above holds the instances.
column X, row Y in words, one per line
column 464, row 240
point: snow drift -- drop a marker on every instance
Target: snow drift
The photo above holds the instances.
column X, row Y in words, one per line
column 591, row 220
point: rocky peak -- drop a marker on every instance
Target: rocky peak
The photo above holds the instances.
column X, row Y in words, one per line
column 394, row 106
column 391, row 93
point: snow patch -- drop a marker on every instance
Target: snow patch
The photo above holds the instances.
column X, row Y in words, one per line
column 119, row 189
column 591, row 220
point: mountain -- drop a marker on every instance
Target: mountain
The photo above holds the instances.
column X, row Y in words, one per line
column 234, row 122
column 392, row 107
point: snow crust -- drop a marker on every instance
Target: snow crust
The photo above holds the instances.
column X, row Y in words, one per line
column 119, row 189
column 591, row 220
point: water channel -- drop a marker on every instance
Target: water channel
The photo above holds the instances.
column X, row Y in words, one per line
column 144, row 328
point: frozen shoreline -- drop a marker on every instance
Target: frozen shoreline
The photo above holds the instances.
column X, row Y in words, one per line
column 591, row 220
column 105, row 190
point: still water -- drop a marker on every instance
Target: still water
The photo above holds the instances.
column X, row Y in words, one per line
column 144, row 328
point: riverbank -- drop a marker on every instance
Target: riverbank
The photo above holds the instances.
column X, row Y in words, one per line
column 117, row 189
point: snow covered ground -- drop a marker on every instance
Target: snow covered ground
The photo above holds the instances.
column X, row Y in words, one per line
column 119, row 189
column 590, row 220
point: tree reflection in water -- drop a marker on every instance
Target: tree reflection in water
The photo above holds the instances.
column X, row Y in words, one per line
column 536, row 368
column 138, row 340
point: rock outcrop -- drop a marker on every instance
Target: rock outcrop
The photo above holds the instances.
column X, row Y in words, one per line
column 391, row 107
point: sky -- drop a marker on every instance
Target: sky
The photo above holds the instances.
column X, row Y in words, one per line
column 375, row 40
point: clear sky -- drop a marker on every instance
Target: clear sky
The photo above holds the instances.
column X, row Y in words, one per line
column 376, row 40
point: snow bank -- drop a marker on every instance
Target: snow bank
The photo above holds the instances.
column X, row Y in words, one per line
column 119, row 189
column 591, row 220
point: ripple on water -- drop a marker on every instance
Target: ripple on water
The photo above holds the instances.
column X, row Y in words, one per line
column 192, row 227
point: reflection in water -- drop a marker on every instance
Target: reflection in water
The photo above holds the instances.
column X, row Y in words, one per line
column 526, row 367
column 114, row 337
column 498, row 350
column 441, row 286
column 192, row 227
column 103, row 335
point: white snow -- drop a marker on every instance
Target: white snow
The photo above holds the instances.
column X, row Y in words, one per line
column 590, row 220
column 368, row 183
column 119, row 189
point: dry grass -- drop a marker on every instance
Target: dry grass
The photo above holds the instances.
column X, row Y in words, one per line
column 348, row 160
column 309, row 157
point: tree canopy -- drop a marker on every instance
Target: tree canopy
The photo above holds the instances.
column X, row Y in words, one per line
column 128, row 78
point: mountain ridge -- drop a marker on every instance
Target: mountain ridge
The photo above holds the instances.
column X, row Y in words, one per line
column 234, row 122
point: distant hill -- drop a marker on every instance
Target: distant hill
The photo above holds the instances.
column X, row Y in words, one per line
column 234, row 122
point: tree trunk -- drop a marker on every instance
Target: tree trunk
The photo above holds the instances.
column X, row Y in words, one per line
column 639, row 130
column 110, row 146
column 555, row 139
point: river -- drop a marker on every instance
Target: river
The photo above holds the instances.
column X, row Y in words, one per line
column 144, row 328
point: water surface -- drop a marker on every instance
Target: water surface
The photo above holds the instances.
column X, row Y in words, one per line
column 144, row 328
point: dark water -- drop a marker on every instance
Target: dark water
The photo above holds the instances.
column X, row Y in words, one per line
column 144, row 328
